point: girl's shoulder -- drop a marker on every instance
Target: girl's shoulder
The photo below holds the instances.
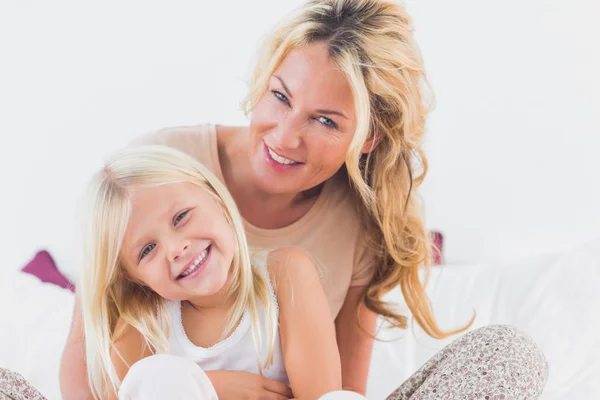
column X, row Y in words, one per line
column 288, row 271
column 291, row 267
column 273, row 262
column 129, row 346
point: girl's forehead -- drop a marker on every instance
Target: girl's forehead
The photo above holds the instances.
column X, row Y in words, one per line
column 165, row 192
column 152, row 202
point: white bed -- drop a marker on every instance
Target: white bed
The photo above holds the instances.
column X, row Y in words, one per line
column 553, row 298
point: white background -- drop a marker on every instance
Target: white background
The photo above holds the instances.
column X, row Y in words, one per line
column 513, row 142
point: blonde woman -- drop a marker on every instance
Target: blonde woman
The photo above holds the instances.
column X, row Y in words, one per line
column 331, row 162
column 168, row 271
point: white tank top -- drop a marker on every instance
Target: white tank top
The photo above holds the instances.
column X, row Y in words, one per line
column 235, row 353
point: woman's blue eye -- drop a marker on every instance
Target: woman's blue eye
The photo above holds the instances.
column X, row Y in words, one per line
column 281, row 96
column 327, row 122
column 179, row 217
column 147, row 250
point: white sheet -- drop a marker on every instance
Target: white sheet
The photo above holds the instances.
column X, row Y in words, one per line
column 555, row 299
column 34, row 323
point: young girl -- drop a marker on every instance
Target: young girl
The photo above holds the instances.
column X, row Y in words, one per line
column 168, row 270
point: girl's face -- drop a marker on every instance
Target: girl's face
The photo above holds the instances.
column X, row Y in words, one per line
column 303, row 125
column 178, row 242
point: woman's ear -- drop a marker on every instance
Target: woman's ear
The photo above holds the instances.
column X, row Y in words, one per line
column 372, row 141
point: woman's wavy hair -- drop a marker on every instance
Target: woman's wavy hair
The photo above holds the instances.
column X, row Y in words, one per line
column 372, row 43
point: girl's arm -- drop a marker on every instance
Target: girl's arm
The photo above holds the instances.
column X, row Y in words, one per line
column 355, row 346
column 308, row 341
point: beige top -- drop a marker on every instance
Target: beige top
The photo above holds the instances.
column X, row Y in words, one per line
column 330, row 231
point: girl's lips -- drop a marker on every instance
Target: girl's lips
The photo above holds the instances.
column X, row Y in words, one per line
column 199, row 268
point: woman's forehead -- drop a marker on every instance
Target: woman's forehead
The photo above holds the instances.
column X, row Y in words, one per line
column 309, row 72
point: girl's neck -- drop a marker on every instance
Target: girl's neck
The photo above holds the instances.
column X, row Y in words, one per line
column 221, row 301
column 205, row 322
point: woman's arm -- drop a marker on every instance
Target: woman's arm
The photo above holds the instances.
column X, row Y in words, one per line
column 73, row 370
column 307, row 331
column 355, row 346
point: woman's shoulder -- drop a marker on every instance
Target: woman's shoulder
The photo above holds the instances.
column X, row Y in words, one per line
column 184, row 137
column 198, row 141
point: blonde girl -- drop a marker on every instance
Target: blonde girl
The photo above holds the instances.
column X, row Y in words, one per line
column 168, row 271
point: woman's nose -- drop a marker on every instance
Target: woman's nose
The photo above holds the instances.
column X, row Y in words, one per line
column 288, row 133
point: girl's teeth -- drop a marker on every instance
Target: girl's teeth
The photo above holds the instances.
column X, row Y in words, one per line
column 197, row 262
column 279, row 159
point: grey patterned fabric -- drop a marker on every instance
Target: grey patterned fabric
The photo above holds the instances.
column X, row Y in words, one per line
column 14, row 387
column 491, row 363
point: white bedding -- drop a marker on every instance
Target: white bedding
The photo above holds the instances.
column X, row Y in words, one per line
column 34, row 323
column 555, row 299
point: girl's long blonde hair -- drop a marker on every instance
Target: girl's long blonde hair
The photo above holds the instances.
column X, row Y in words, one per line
column 372, row 43
column 107, row 295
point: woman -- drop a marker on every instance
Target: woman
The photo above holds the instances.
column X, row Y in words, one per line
column 330, row 163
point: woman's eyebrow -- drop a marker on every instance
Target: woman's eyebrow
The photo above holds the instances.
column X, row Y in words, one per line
column 332, row 112
column 328, row 112
column 287, row 91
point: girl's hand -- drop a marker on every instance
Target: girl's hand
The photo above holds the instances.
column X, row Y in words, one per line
column 242, row 385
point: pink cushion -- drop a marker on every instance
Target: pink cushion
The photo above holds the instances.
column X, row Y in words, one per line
column 42, row 266
column 437, row 240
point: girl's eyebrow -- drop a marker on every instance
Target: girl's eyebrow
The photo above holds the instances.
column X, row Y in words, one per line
column 137, row 247
column 167, row 215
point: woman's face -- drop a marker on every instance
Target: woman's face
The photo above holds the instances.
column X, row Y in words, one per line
column 303, row 125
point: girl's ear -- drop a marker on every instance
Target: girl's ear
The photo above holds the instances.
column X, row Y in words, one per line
column 130, row 278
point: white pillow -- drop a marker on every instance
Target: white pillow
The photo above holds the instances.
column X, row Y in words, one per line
column 34, row 326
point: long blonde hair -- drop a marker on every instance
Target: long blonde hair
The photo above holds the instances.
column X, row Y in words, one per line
column 371, row 42
column 108, row 296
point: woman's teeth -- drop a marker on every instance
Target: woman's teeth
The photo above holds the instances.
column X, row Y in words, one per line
column 279, row 159
column 196, row 264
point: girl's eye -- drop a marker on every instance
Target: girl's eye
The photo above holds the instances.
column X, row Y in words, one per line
column 327, row 122
column 281, row 97
column 180, row 216
column 147, row 250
